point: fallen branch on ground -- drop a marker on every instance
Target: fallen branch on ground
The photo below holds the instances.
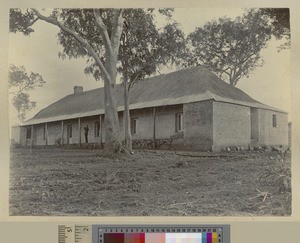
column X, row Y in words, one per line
column 261, row 194
column 207, row 156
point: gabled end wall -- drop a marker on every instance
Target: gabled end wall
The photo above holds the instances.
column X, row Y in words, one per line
column 198, row 125
column 231, row 125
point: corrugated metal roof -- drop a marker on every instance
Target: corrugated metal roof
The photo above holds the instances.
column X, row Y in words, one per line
column 184, row 86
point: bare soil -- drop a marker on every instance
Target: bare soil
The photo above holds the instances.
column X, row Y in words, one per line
column 60, row 182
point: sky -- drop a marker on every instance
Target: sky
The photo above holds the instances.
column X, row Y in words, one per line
column 269, row 84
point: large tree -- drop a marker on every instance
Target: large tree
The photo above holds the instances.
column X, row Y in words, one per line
column 106, row 57
column 143, row 48
column 20, row 82
column 230, row 48
column 113, row 40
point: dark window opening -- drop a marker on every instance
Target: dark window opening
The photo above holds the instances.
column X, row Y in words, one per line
column 28, row 132
column 70, row 131
column 179, row 122
column 274, row 121
column 133, row 125
column 97, row 129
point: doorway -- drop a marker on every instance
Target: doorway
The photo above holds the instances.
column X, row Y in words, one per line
column 69, row 134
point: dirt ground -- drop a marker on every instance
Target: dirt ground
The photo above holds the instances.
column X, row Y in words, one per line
column 54, row 181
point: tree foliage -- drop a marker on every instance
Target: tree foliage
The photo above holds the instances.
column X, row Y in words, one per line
column 20, row 82
column 280, row 23
column 143, row 46
column 23, row 105
column 21, row 21
column 230, row 48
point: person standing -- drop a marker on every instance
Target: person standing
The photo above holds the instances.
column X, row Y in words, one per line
column 86, row 133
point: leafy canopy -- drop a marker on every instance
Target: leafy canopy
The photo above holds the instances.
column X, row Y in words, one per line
column 280, row 23
column 21, row 80
column 23, row 105
column 230, row 48
column 143, row 46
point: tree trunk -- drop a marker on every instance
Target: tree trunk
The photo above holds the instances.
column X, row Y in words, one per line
column 154, row 128
column 112, row 129
column 128, row 138
column 79, row 132
column 100, row 131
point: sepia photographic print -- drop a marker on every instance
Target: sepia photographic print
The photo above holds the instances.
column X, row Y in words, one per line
column 150, row 112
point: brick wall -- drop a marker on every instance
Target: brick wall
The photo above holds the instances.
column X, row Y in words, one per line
column 198, row 125
column 165, row 122
column 206, row 125
column 23, row 135
column 84, row 122
column 231, row 125
column 269, row 135
column 144, row 124
column 165, row 127
column 38, row 134
column 54, row 132
column 15, row 133
column 24, row 141
column 75, row 131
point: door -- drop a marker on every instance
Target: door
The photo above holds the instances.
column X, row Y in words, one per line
column 69, row 134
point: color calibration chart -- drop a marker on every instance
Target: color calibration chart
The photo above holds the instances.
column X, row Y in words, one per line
column 162, row 234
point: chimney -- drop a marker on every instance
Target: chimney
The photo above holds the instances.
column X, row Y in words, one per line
column 78, row 89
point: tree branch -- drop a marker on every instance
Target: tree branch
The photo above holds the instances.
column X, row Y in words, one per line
column 117, row 29
column 103, row 30
column 78, row 38
column 133, row 81
column 30, row 23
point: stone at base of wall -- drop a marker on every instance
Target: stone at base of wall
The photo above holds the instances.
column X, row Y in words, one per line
column 71, row 146
column 159, row 144
column 171, row 144
column 230, row 148
column 250, row 147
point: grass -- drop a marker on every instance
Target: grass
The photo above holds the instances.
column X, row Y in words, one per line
column 60, row 182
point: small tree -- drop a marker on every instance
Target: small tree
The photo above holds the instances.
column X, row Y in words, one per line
column 142, row 56
column 20, row 82
column 230, row 48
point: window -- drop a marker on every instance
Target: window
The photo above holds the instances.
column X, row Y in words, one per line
column 28, row 132
column 274, row 120
column 133, row 125
column 70, row 131
column 97, row 129
column 179, row 122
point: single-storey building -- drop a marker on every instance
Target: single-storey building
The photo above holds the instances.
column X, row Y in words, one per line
column 189, row 109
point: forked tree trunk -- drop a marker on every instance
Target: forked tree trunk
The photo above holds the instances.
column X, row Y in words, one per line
column 112, row 129
column 128, row 138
